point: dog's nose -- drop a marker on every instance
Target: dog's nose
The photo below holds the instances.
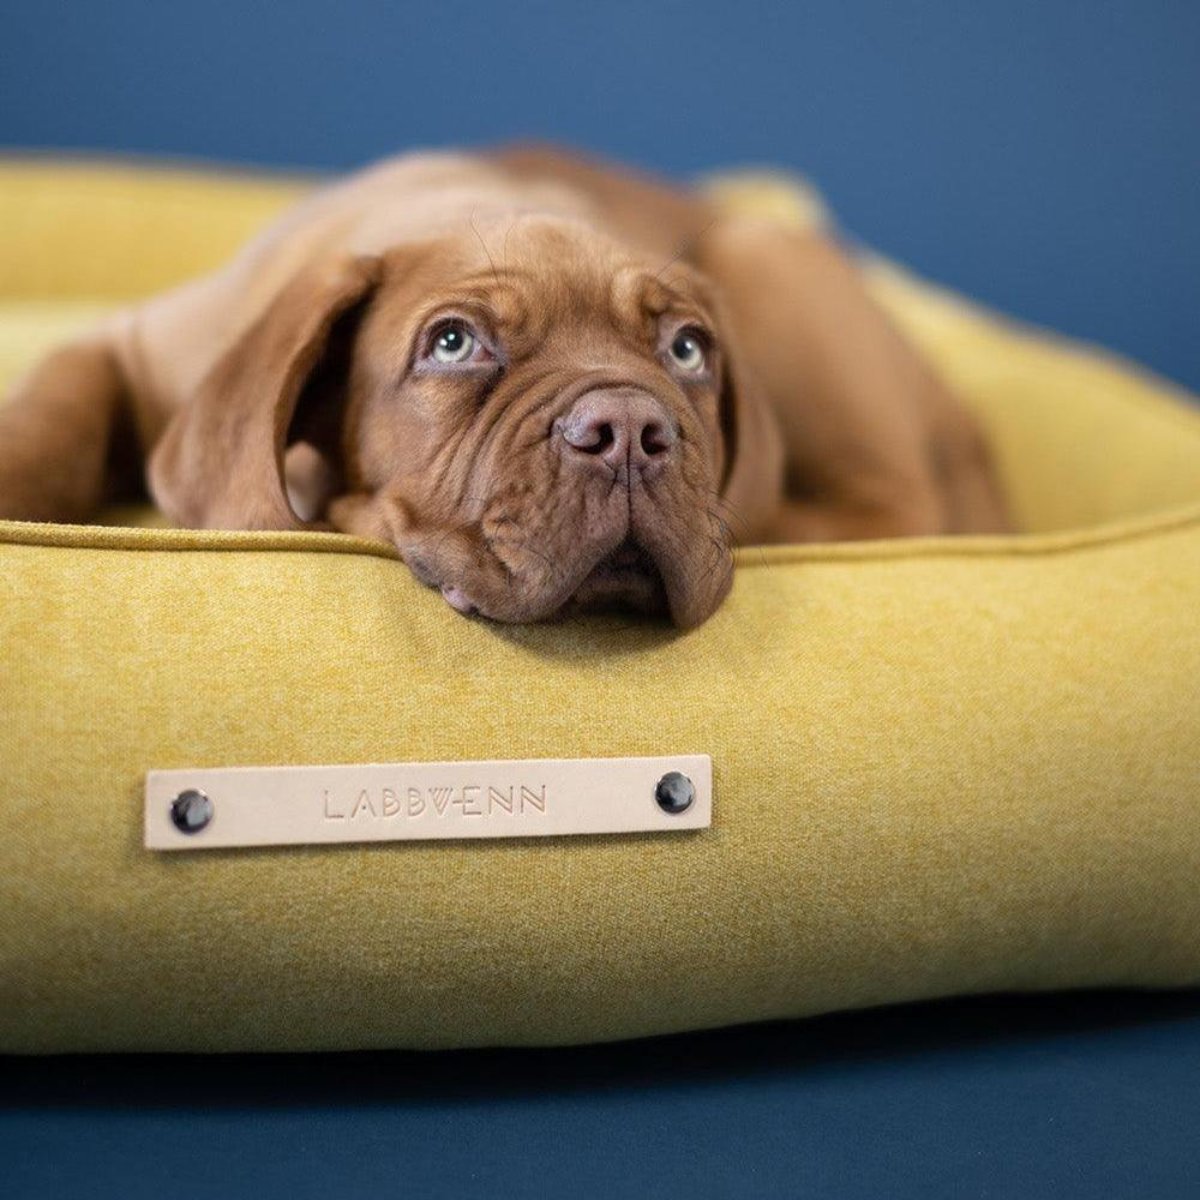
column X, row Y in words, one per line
column 616, row 426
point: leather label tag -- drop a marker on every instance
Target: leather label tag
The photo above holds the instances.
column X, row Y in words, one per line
column 220, row 807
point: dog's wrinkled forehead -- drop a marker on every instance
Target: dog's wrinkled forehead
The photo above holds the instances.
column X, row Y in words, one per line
column 536, row 278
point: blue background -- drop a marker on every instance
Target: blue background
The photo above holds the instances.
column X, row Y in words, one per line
column 1043, row 155
column 1083, row 1095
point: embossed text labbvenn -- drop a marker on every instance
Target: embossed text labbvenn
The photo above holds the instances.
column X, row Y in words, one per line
column 394, row 802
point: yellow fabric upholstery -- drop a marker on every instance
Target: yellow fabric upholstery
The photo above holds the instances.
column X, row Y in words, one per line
column 941, row 766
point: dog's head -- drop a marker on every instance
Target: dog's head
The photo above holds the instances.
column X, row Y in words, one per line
column 540, row 419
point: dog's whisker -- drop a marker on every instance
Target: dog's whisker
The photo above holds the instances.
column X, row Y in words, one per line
column 684, row 247
column 483, row 244
column 759, row 549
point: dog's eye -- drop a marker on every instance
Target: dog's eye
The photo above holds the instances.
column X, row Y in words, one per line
column 687, row 351
column 453, row 342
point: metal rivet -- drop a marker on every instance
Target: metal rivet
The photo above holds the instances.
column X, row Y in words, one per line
column 191, row 811
column 674, row 792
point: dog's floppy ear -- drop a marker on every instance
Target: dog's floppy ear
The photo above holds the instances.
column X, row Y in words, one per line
column 752, row 479
column 220, row 462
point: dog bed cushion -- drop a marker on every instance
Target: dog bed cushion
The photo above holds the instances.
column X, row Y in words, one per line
column 940, row 765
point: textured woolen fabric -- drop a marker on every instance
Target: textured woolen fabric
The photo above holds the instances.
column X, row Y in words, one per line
column 941, row 765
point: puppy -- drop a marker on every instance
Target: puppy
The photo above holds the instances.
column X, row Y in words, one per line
column 552, row 384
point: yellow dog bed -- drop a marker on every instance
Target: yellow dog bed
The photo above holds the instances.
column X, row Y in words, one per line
column 940, row 766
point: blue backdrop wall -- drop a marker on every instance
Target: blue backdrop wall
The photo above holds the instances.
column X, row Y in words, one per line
column 1044, row 156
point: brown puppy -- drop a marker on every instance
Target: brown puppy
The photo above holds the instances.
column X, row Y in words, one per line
column 552, row 385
